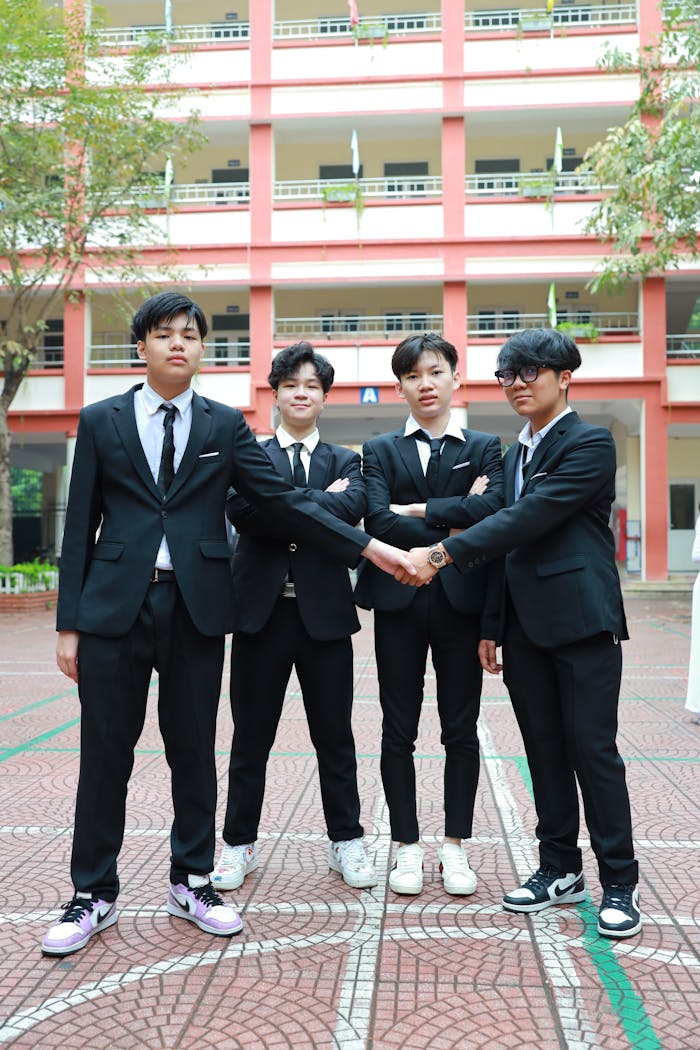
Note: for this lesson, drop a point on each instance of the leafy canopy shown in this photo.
(649, 168)
(82, 141)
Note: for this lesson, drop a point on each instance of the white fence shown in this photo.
(18, 583)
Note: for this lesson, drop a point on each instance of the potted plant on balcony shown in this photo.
(344, 193)
(27, 586)
(579, 330)
(538, 184)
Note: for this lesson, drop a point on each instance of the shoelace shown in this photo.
(354, 852)
(207, 895)
(454, 862)
(409, 861)
(233, 856)
(541, 878)
(76, 908)
(619, 897)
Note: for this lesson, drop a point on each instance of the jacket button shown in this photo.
(470, 564)
(164, 514)
(292, 546)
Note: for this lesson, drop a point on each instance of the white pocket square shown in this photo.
(542, 474)
(458, 466)
(207, 455)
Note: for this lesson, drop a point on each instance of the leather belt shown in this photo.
(163, 576)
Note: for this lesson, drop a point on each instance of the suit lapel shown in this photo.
(550, 439)
(453, 452)
(280, 459)
(124, 418)
(199, 432)
(319, 467)
(511, 463)
(406, 448)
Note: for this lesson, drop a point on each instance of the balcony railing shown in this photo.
(193, 193)
(329, 190)
(344, 327)
(373, 27)
(123, 355)
(687, 345)
(499, 324)
(531, 19)
(191, 35)
(527, 184)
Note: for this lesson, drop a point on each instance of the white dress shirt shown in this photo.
(309, 443)
(531, 441)
(149, 422)
(453, 429)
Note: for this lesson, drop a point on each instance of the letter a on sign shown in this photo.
(369, 395)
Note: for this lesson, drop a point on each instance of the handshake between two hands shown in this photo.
(411, 567)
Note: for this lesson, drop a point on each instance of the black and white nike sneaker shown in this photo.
(546, 887)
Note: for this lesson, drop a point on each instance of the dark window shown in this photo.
(487, 320)
(337, 171)
(682, 499)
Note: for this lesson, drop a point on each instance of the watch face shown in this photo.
(436, 558)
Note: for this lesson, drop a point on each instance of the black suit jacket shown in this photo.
(559, 550)
(266, 549)
(394, 474)
(104, 579)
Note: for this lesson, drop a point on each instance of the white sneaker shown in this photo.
(234, 863)
(457, 876)
(406, 876)
(349, 858)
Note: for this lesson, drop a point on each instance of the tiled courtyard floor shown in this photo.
(319, 964)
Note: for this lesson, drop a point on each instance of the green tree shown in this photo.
(81, 142)
(649, 168)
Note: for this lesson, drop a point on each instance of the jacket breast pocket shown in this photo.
(569, 564)
(108, 550)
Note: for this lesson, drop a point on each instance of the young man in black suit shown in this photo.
(425, 481)
(145, 582)
(294, 609)
(557, 610)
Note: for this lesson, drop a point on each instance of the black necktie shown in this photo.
(298, 472)
(524, 463)
(166, 470)
(433, 469)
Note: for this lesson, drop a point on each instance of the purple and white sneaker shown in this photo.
(203, 906)
(82, 917)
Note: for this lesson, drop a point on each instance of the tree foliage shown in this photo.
(83, 143)
(649, 168)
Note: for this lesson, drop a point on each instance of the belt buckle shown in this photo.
(154, 577)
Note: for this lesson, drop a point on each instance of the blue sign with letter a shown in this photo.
(369, 395)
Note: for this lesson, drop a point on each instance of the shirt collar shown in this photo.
(453, 429)
(525, 437)
(285, 439)
(152, 401)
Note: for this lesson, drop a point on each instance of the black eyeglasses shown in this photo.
(528, 374)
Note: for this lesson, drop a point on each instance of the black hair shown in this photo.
(408, 351)
(160, 309)
(287, 363)
(539, 346)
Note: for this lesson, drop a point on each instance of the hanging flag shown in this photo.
(552, 305)
(558, 151)
(168, 176)
(354, 14)
(355, 154)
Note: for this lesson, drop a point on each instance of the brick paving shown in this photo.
(321, 965)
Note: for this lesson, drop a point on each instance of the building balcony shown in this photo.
(528, 184)
(342, 190)
(219, 354)
(351, 327)
(536, 19)
(683, 347)
(187, 35)
(588, 325)
(373, 27)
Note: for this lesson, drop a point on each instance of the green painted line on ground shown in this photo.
(624, 999)
(39, 703)
(10, 752)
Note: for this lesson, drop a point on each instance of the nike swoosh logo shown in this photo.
(566, 889)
